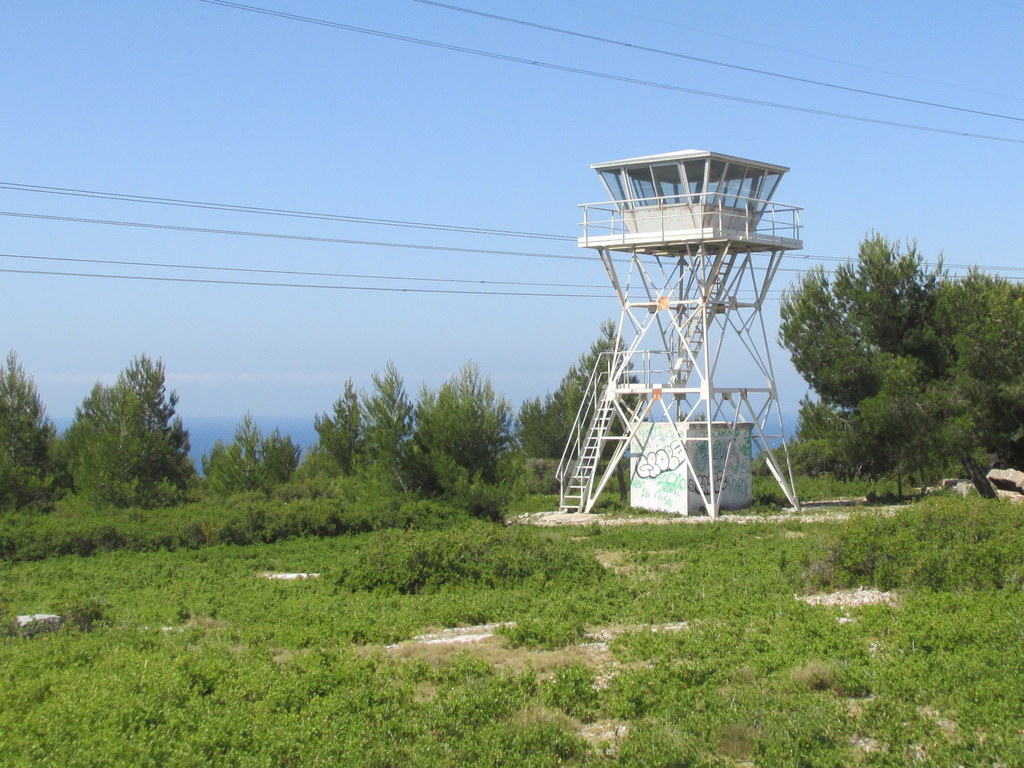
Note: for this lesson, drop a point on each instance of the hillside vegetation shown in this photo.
(708, 658)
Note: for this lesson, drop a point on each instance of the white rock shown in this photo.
(34, 623)
(289, 576)
(1007, 479)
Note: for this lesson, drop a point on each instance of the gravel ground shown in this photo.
(811, 512)
(851, 597)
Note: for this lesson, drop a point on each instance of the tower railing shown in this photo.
(569, 470)
(709, 214)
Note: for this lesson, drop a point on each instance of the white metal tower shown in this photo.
(691, 241)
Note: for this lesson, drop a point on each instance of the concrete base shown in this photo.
(670, 467)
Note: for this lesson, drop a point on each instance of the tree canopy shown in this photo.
(28, 471)
(913, 369)
(543, 424)
(341, 432)
(252, 462)
(126, 446)
(386, 423)
(462, 430)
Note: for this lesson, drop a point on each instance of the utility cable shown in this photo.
(254, 270)
(793, 51)
(926, 264)
(122, 197)
(606, 75)
(713, 62)
(773, 294)
(1009, 5)
(439, 248)
(207, 281)
(280, 236)
(442, 248)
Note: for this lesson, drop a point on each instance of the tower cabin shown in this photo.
(662, 202)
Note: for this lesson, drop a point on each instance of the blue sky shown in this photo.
(196, 101)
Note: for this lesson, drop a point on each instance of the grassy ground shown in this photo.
(638, 646)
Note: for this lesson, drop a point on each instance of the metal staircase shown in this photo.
(577, 484)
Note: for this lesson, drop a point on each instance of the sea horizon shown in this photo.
(205, 431)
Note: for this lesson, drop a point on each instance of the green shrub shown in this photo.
(547, 631)
(572, 691)
(538, 476)
(84, 614)
(78, 526)
(411, 562)
(943, 544)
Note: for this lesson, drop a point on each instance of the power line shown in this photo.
(254, 270)
(773, 294)
(715, 63)
(926, 264)
(419, 246)
(797, 52)
(1009, 5)
(170, 201)
(606, 75)
(280, 236)
(312, 238)
(262, 284)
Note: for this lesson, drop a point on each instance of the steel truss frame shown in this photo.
(679, 306)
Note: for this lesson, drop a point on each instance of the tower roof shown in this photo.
(686, 154)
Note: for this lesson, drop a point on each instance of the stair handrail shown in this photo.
(581, 425)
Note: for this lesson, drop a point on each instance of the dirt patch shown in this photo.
(493, 651)
(613, 559)
(810, 512)
(441, 646)
(202, 622)
(864, 745)
(848, 598)
(458, 635)
(281, 656)
(608, 633)
(606, 736)
(948, 727)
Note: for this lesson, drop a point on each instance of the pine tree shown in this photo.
(341, 434)
(914, 370)
(126, 447)
(543, 426)
(462, 430)
(28, 471)
(252, 462)
(387, 416)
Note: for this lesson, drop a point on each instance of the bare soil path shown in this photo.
(810, 512)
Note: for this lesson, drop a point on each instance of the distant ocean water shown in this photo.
(204, 431)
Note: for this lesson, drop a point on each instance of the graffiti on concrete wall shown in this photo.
(659, 459)
(671, 470)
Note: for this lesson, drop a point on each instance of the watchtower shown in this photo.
(691, 241)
